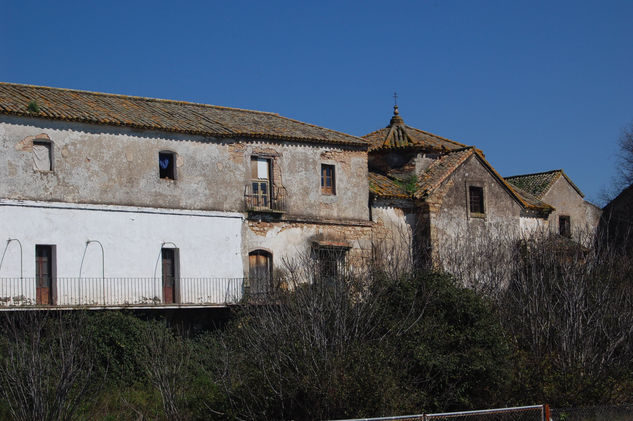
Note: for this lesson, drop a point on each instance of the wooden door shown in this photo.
(44, 275)
(169, 275)
(260, 272)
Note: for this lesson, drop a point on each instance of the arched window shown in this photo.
(260, 271)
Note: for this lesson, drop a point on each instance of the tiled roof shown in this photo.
(159, 114)
(531, 199)
(443, 167)
(398, 135)
(538, 184)
(384, 186)
(440, 169)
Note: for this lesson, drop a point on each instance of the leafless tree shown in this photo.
(46, 368)
(165, 358)
(625, 157)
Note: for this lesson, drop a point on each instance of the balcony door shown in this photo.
(170, 275)
(260, 182)
(44, 274)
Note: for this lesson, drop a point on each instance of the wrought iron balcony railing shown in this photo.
(261, 197)
(118, 292)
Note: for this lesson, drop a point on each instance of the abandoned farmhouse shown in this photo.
(113, 200)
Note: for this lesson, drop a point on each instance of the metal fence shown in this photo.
(519, 413)
(100, 292)
(594, 413)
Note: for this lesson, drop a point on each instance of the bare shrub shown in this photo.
(165, 358)
(46, 368)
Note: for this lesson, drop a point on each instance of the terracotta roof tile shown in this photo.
(384, 186)
(440, 169)
(398, 135)
(538, 184)
(163, 115)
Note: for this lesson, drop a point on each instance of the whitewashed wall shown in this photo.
(209, 244)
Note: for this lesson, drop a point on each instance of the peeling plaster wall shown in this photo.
(119, 166)
(394, 235)
(449, 208)
(530, 225)
(565, 199)
(292, 241)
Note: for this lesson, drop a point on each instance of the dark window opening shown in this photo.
(169, 257)
(564, 226)
(44, 274)
(260, 273)
(328, 181)
(476, 200)
(167, 165)
(330, 262)
(42, 156)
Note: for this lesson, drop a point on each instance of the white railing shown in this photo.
(104, 292)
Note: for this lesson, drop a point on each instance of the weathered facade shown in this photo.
(448, 196)
(571, 216)
(113, 200)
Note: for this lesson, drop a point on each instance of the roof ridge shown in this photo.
(141, 98)
(360, 139)
(535, 173)
(435, 135)
(375, 131)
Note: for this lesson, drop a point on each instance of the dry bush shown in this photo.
(46, 368)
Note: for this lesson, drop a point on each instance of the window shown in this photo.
(564, 226)
(328, 180)
(330, 261)
(167, 165)
(44, 274)
(260, 182)
(476, 200)
(171, 269)
(42, 156)
(260, 273)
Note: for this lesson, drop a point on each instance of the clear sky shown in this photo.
(537, 85)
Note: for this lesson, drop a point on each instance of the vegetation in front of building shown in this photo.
(557, 329)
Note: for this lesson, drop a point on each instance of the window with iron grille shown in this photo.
(476, 200)
(564, 226)
(328, 179)
(330, 262)
(167, 165)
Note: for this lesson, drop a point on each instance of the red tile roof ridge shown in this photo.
(147, 99)
(534, 173)
(437, 136)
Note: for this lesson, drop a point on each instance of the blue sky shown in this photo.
(537, 85)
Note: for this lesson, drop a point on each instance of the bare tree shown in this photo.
(625, 158)
(46, 368)
(165, 358)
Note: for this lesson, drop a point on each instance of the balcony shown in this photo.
(261, 197)
(120, 293)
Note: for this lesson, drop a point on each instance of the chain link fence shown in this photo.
(521, 413)
(594, 413)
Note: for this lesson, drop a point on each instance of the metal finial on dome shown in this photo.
(396, 119)
(395, 103)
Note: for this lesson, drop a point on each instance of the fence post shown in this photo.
(547, 416)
